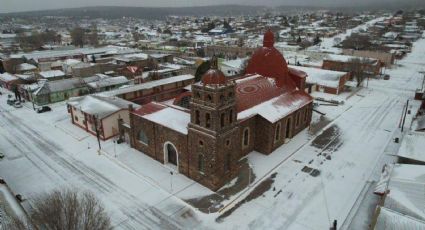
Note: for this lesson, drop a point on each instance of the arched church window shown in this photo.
(245, 139)
(277, 132)
(197, 120)
(201, 163)
(231, 116)
(222, 117)
(222, 98)
(207, 120)
(209, 98)
(227, 163)
(142, 137)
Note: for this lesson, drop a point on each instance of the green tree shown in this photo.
(201, 70)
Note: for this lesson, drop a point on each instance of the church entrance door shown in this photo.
(170, 155)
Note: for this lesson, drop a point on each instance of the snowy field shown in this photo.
(317, 177)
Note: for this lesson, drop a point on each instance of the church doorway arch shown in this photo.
(171, 156)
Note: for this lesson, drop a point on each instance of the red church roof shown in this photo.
(269, 62)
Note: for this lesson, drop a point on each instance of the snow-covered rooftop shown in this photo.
(322, 77)
(406, 188)
(413, 147)
(100, 106)
(171, 118)
(148, 85)
(51, 74)
(391, 220)
(6, 77)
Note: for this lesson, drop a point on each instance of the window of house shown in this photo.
(75, 118)
(143, 138)
(197, 120)
(277, 132)
(222, 117)
(245, 139)
(201, 163)
(207, 120)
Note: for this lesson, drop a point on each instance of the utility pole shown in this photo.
(405, 114)
(97, 131)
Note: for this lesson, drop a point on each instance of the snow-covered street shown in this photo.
(305, 184)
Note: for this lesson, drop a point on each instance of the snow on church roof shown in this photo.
(278, 107)
(171, 118)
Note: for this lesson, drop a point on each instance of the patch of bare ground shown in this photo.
(259, 190)
(212, 203)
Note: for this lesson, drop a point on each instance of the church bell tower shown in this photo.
(213, 129)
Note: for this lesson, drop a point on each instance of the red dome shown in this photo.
(268, 61)
(214, 77)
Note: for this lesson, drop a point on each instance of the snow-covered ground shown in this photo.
(315, 178)
(328, 44)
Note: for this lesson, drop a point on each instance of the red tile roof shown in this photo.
(256, 89)
(149, 108)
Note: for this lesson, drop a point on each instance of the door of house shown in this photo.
(171, 154)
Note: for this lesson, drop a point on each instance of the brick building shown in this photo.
(205, 132)
(344, 63)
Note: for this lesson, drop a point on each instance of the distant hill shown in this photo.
(143, 12)
(152, 13)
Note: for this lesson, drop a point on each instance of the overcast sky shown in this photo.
(29, 5)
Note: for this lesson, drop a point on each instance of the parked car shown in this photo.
(386, 77)
(11, 101)
(44, 109)
(1, 155)
(17, 104)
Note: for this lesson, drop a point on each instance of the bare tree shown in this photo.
(78, 36)
(243, 66)
(357, 69)
(65, 209)
(93, 37)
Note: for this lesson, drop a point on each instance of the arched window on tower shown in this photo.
(245, 138)
(231, 116)
(207, 120)
(222, 117)
(197, 120)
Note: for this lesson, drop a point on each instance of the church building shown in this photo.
(203, 133)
